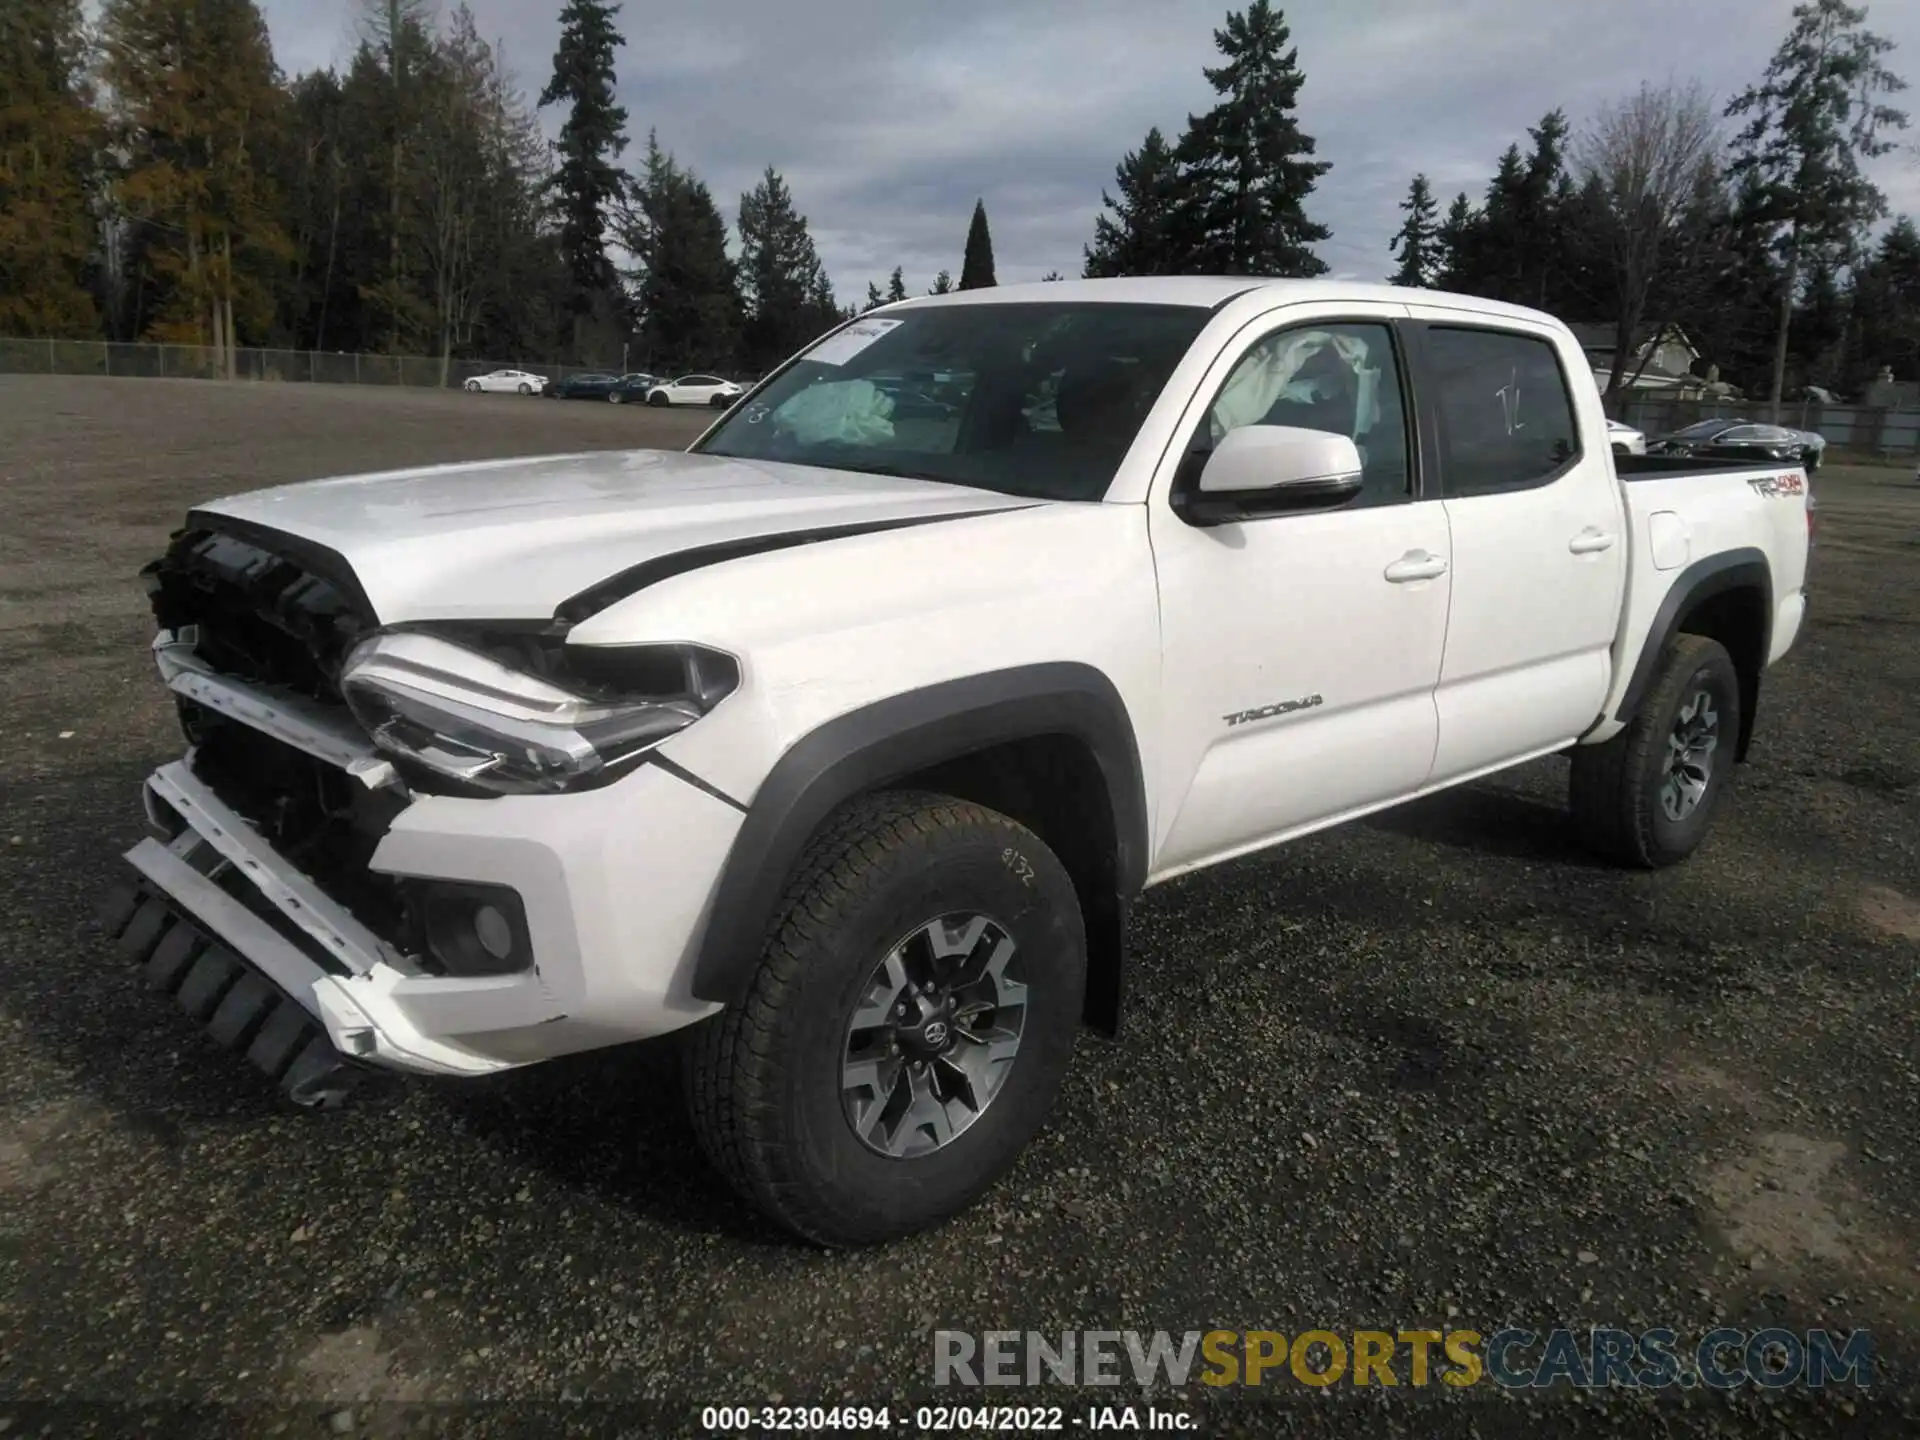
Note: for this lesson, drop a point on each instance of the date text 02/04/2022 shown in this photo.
(938, 1419)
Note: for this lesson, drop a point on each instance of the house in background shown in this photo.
(1662, 363)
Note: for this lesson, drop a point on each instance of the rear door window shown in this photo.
(1504, 410)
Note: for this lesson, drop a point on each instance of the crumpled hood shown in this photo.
(512, 539)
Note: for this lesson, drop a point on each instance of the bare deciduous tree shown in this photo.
(1647, 153)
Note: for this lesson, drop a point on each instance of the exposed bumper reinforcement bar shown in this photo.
(288, 718)
(295, 896)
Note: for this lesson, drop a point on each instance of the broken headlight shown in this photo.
(468, 717)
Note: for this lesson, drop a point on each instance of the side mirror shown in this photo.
(1271, 470)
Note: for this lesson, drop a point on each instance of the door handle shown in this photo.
(1416, 565)
(1590, 541)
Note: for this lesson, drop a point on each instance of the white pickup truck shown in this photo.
(844, 739)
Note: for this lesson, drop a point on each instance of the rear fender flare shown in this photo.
(1742, 569)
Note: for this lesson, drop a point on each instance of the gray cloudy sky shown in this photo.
(888, 119)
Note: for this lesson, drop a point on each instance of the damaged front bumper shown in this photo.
(257, 983)
(317, 954)
(293, 979)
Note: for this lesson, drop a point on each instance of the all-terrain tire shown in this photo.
(1616, 788)
(764, 1077)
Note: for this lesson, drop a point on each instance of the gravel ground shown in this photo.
(1437, 1070)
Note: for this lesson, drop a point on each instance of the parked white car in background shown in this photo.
(696, 390)
(1625, 439)
(507, 382)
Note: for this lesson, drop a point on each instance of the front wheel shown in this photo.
(525, 389)
(908, 1025)
(473, 387)
(657, 398)
(615, 397)
(1646, 796)
(721, 402)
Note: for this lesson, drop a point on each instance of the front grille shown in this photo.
(265, 610)
(261, 615)
(320, 820)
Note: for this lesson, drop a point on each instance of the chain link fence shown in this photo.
(203, 362)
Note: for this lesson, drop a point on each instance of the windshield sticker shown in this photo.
(838, 349)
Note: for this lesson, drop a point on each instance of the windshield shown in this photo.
(1040, 399)
(1703, 429)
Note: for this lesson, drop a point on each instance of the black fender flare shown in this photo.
(888, 740)
(1742, 569)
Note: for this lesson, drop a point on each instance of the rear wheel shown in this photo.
(1646, 796)
(615, 396)
(908, 1026)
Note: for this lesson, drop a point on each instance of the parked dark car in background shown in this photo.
(1736, 439)
(594, 386)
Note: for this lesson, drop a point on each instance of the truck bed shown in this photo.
(1697, 527)
(1674, 467)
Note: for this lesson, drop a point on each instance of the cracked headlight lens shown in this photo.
(471, 718)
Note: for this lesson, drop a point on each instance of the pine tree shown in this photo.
(1137, 239)
(393, 54)
(874, 298)
(49, 138)
(688, 287)
(976, 268)
(1885, 305)
(587, 183)
(1524, 244)
(473, 175)
(1716, 284)
(1817, 113)
(896, 286)
(783, 285)
(197, 103)
(1417, 244)
(822, 311)
(1454, 239)
(1247, 171)
(942, 283)
(1548, 239)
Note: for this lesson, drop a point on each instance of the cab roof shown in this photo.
(1206, 292)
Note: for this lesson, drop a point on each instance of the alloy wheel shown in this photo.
(934, 1036)
(1690, 754)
